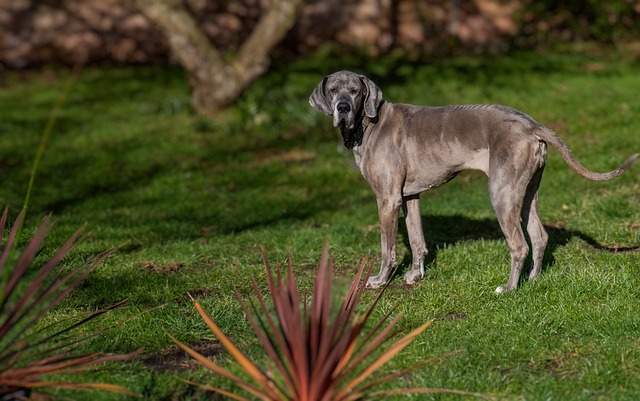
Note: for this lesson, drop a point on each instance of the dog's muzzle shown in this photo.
(343, 113)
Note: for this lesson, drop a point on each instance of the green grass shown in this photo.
(195, 199)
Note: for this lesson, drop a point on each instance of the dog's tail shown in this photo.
(549, 136)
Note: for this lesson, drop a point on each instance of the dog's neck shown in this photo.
(353, 137)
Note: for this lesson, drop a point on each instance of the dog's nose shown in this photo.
(343, 107)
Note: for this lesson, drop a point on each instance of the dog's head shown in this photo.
(346, 96)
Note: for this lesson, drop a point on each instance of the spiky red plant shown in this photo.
(28, 355)
(315, 352)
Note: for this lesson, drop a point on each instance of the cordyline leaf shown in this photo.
(342, 338)
(293, 328)
(363, 392)
(212, 366)
(247, 365)
(323, 333)
(296, 336)
(384, 358)
(320, 304)
(36, 284)
(29, 298)
(396, 374)
(356, 326)
(84, 321)
(60, 364)
(7, 249)
(217, 390)
(365, 317)
(276, 334)
(20, 266)
(353, 296)
(3, 221)
(42, 299)
(75, 386)
(76, 340)
(69, 244)
(272, 337)
(273, 344)
(370, 344)
(27, 356)
(29, 317)
(286, 303)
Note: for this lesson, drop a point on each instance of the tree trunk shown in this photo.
(216, 83)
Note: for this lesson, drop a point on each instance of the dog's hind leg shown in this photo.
(531, 219)
(507, 191)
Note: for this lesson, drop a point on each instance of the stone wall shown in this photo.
(36, 32)
(75, 31)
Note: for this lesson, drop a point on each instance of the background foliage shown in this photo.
(548, 22)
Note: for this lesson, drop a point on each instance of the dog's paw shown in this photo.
(413, 276)
(533, 276)
(375, 282)
(501, 289)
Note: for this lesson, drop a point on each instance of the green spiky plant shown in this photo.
(29, 354)
(315, 352)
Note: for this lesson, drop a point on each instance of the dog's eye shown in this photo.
(353, 91)
(333, 91)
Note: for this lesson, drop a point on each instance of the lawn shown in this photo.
(194, 199)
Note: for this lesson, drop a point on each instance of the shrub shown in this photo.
(27, 354)
(315, 351)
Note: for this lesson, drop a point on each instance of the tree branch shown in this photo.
(252, 59)
(187, 42)
(216, 83)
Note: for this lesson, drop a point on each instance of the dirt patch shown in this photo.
(559, 366)
(161, 268)
(199, 293)
(452, 316)
(556, 225)
(174, 359)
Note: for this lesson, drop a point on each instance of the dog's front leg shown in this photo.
(388, 211)
(413, 220)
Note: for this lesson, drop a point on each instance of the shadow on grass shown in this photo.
(443, 231)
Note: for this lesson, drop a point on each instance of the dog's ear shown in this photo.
(318, 101)
(372, 99)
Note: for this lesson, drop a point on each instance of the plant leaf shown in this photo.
(75, 386)
(382, 359)
(25, 356)
(214, 367)
(247, 365)
(218, 390)
(268, 342)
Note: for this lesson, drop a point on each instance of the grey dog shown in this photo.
(402, 150)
